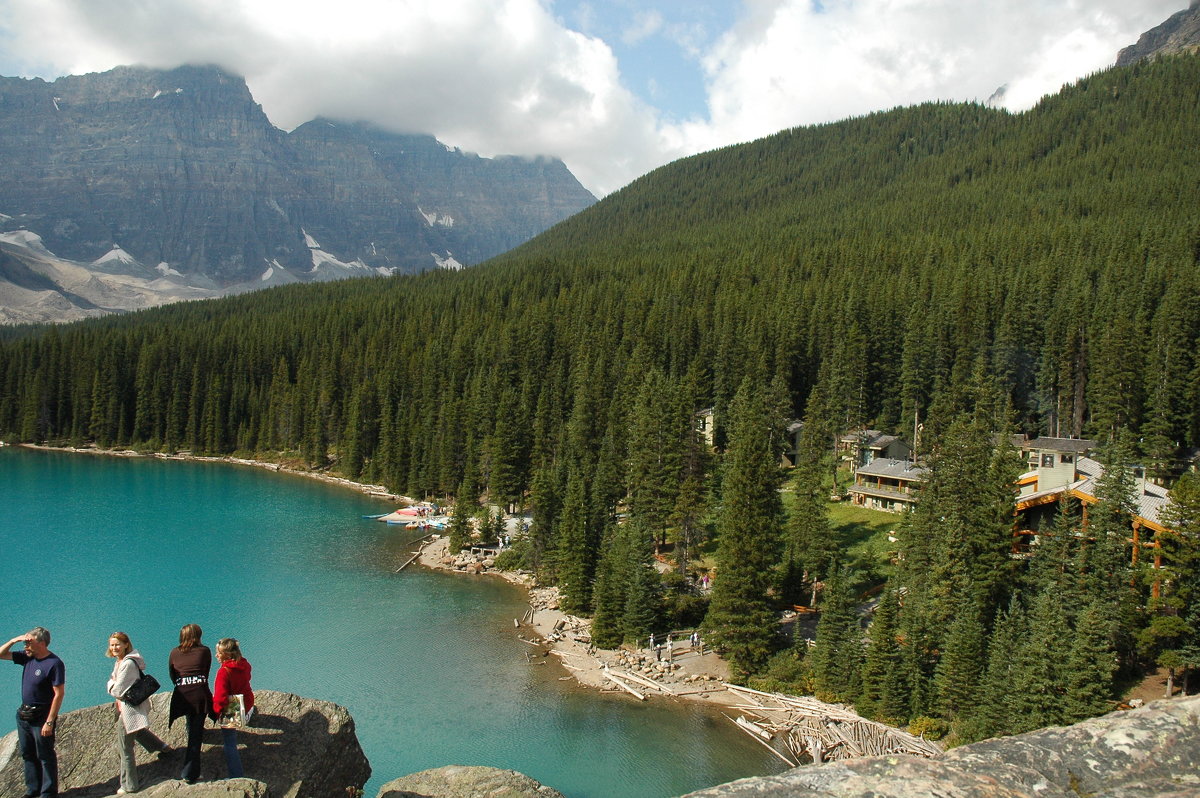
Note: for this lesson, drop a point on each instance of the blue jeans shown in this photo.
(233, 761)
(41, 762)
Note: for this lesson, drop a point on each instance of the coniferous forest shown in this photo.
(981, 272)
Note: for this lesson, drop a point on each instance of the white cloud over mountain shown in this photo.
(523, 76)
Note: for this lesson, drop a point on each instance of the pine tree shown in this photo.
(884, 694)
(838, 655)
(609, 595)
(655, 454)
(643, 599)
(960, 669)
(993, 714)
(810, 547)
(574, 555)
(466, 506)
(739, 620)
(1091, 664)
(1039, 679)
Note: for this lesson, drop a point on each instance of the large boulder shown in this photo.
(1152, 751)
(458, 781)
(295, 748)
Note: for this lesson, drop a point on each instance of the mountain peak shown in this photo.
(1179, 33)
(180, 171)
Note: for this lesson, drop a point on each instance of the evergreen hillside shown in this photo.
(969, 269)
(882, 256)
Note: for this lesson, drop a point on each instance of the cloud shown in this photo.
(645, 24)
(512, 76)
(794, 62)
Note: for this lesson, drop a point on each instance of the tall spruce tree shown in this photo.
(837, 656)
(884, 693)
(609, 593)
(574, 552)
(740, 621)
(960, 669)
(1091, 663)
(1037, 696)
(810, 547)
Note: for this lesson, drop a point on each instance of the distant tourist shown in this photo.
(133, 720)
(189, 665)
(233, 700)
(43, 685)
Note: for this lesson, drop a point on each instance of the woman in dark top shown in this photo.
(189, 666)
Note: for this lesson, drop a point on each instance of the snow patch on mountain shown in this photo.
(435, 218)
(165, 270)
(115, 255)
(309, 241)
(24, 238)
(447, 262)
(322, 258)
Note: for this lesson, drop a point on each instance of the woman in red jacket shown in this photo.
(232, 686)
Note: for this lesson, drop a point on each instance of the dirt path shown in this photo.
(567, 639)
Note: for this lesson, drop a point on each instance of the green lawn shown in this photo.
(864, 535)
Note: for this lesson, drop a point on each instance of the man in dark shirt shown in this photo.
(43, 685)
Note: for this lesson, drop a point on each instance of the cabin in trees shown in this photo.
(704, 422)
(705, 425)
(861, 447)
(1060, 467)
(887, 483)
(791, 443)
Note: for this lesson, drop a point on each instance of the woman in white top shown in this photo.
(133, 720)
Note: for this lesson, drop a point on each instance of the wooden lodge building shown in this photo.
(1057, 467)
(1060, 467)
(886, 483)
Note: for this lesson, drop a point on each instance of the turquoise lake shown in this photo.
(427, 663)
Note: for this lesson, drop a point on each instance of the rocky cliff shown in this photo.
(295, 748)
(178, 174)
(298, 748)
(1152, 751)
(1181, 32)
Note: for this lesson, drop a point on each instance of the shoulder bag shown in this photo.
(143, 688)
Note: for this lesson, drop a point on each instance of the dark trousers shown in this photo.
(233, 760)
(195, 734)
(41, 762)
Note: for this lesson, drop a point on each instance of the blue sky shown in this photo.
(613, 87)
(657, 45)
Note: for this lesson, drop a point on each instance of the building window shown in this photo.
(1047, 461)
(1066, 458)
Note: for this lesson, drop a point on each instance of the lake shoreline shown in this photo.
(542, 628)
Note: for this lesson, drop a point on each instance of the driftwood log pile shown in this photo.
(806, 728)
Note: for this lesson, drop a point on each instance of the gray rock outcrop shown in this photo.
(1152, 751)
(1179, 33)
(295, 748)
(458, 781)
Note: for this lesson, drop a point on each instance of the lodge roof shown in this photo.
(896, 469)
(1066, 445)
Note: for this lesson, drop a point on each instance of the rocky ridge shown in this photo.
(1179, 33)
(300, 747)
(1149, 752)
(296, 747)
(176, 181)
